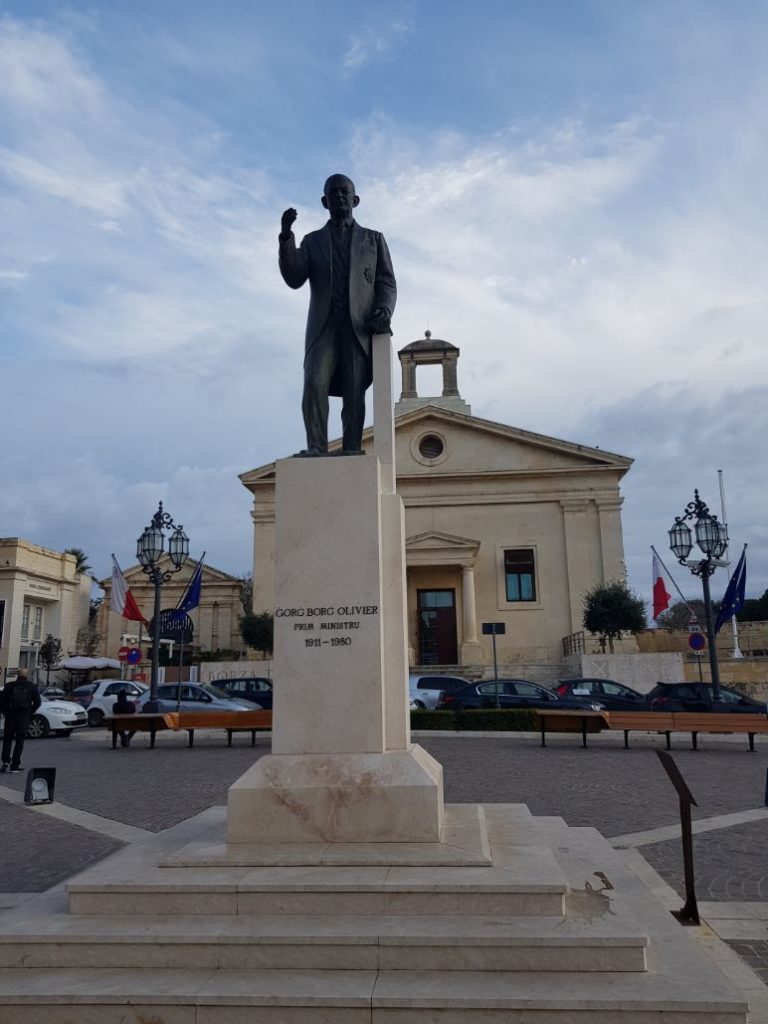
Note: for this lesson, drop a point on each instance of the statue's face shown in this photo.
(339, 197)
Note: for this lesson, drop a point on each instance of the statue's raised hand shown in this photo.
(286, 223)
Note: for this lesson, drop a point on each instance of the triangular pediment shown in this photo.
(473, 445)
(437, 548)
(434, 539)
(134, 574)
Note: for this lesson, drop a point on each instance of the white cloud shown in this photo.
(374, 43)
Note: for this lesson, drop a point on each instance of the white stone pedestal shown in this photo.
(342, 768)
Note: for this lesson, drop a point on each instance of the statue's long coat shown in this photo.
(371, 282)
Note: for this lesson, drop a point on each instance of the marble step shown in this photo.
(531, 883)
(349, 943)
(133, 996)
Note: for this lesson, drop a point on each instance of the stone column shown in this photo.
(611, 541)
(450, 377)
(408, 367)
(576, 556)
(468, 600)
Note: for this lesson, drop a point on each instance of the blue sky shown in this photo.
(574, 193)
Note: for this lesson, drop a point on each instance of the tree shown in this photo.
(678, 615)
(82, 568)
(246, 593)
(49, 654)
(755, 609)
(611, 609)
(257, 631)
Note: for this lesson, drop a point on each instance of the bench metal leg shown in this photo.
(152, 734)
(626, 739)
(694, 741)
(543, 731)
(669, 740)
(751, 741)
(253, 737)
(191, 735)
(584, 733)
(229, 737)
(114, 738)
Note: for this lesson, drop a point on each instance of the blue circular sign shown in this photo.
(133, 657)
(697, 642)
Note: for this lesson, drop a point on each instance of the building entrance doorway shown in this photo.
(437, 627)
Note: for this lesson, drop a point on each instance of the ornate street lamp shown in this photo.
(149, 551)
(712, 538)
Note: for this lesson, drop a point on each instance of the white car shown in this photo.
(98, 697)
(59, 716)
(425, 690)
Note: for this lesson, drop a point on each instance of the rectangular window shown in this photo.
(37, 628)
(520, 574)
(25, 623)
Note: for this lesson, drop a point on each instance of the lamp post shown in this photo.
(149, 550)
(712, 538)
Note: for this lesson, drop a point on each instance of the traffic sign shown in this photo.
(693, 625)
(696, 642)
(122, 654)
(134, 656)
(494, 628)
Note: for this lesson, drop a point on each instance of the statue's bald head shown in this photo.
(336, 180)
(339, 197)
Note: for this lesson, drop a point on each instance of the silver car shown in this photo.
(425, 691)
(196, 697)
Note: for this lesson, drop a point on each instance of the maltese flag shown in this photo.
(123, 602)
(660, 595)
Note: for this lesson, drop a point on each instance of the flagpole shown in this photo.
(673, 582)
(727, 558)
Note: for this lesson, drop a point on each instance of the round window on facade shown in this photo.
(431, 446)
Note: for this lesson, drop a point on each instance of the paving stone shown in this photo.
(38, 852)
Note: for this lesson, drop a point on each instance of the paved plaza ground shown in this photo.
(105, 798)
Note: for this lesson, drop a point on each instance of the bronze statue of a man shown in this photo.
(352, 297)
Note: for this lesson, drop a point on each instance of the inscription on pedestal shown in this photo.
(326, 625)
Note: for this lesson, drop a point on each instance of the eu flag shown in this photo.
(191, 598)
(733, 599)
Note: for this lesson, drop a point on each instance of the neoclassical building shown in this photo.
(502, 525)
(216, 621)
(41, 592)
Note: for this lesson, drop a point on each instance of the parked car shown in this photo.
(512, 693)
(425, 690)
(614, 696)
(196, 697)
(257, 689)
(698, 697)
(53, 693)
(57, 716)
(99, 696)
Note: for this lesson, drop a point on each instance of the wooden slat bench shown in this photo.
(641, 721)
(569, 721)
(232, 721)
(694, 723)
(141, 723)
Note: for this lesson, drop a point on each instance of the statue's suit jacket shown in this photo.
(371, 282)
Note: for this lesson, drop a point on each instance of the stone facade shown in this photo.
(478, 495)
(40, 593)
(216, 621)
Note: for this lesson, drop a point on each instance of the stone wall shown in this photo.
(210, 671)
(640, 671)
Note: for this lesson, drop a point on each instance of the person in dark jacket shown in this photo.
(18, 702)
(123, 706)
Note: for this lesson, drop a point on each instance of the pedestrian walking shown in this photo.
(18, 702)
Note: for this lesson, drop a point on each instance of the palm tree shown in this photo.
(82, 568)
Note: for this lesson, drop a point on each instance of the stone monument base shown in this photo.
(390, 797)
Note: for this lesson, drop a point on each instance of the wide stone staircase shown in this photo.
(510, 919)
